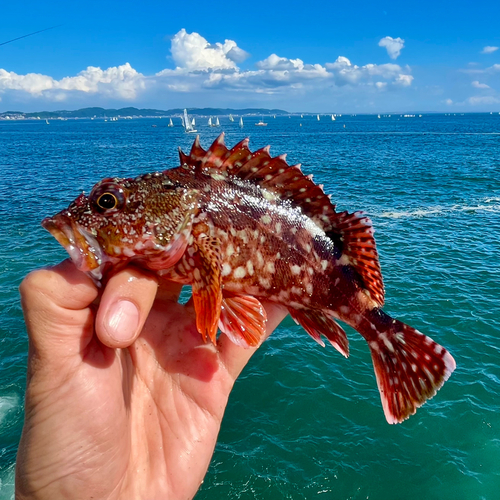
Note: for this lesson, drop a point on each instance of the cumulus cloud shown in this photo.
(200, 65)
(190, 51)
(478, 85)
(121, 81)
(489, 49)
(392, 45)
(346, 73)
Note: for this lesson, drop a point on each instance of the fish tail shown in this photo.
(409, 366)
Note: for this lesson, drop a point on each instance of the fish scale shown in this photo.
(241, 227)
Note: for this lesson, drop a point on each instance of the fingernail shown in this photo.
(122, 320)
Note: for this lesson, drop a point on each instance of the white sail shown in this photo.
(188, 128)
(170, 123)
(217, 124)
(231, 119)
(210, 122)
(241, 122)
(317, 116)
(333, 118)
(193, 123)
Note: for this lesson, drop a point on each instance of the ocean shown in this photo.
(302, 421)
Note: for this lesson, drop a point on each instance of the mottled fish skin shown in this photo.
(241, 227)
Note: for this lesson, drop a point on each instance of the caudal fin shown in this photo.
(410, 367)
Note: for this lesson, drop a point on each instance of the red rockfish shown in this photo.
(241, 226)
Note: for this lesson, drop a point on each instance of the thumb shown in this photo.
(124, 307)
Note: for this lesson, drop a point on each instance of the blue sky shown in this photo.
(328, 56)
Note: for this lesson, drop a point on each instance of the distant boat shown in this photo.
(188, 128)
(217, 124)
(193, 123)
(241, 122)
(210, 122)
(261, 123)
(333, 118)
(378, 116)
(231, 119)
(317, 116)
(170, 123)
(302, 116)
(47, 121)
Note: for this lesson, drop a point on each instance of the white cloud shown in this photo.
(449, 102)
(200, 65)
(392, 45)
(478, 100)
(346, 73)
(478, 85)
(489, 49)
(190, 51)
(121, 81)
(404, 80)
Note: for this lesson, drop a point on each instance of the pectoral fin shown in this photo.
(203, 261)
(243, 320)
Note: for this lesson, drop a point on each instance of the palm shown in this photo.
(139, 422)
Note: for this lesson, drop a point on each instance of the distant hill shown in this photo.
(109, 113)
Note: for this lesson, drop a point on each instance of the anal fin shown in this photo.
(243, 320)
(316, 323)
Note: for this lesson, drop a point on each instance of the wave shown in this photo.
(486, 205)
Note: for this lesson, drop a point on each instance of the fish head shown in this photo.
(146, 220)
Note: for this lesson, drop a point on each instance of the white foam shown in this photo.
(8, 403)
(486, 205)
(7, 477)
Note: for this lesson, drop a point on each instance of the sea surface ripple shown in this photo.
(302, 421)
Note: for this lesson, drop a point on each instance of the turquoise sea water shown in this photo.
(303, 422)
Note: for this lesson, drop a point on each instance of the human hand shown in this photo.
(120, 403)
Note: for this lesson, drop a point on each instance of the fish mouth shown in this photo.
(83, 249)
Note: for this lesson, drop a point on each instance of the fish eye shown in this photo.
(107, 198)
(107, 201)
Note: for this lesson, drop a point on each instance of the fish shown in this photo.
(241, 227)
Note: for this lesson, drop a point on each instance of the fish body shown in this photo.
(241, 227)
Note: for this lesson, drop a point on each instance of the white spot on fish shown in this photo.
(266, 219)
(250, 267)
(239, 272)
(270, 267)
(295, 269)
(226, 269)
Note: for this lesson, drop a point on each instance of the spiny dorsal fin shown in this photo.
(289, 183)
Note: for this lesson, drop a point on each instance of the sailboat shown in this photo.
(170, 123)
(333, 118)
(210, 121)
(217, 124)
(261, 123)
(231, 119)
(317, 116)
(193, 123)
(241, 122)
(188, 128)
